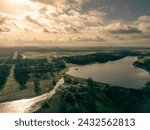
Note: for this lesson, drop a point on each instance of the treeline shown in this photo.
(144, 65)
(36, 69)
(91, 58)
(4, 73)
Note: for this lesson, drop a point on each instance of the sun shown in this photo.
(14, 7)
(19, 2)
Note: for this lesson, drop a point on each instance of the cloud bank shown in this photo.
(68, 21)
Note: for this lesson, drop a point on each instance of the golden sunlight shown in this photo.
(18, 2)
(15, 7)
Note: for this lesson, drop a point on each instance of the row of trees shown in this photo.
(36, 69)
(25, 68)
(4, 73)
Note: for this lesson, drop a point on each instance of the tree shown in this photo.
(4, 73)
(37, 88)
(90, 81)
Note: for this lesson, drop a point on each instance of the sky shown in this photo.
(75, 22)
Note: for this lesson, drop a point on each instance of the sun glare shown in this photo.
(19, 2)
(14, 7)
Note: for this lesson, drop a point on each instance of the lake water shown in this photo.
(120, 73)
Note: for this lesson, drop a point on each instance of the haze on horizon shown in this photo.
(74, 22)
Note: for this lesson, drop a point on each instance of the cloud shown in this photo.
(71, 21)
(66, 16)
(2, 19)
(94, 17)
(63, 5)
(44, 1)
(144, 18)
(34, 21)
(4, 26)
(4, 29)
(71, 29)
(144, 23)
(94, 39)
(60, 5)
(68, 20)
(128, 30)
(46, 30)
(122, 28)
(100, 39)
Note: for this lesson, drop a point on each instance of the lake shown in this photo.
(120, 73)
